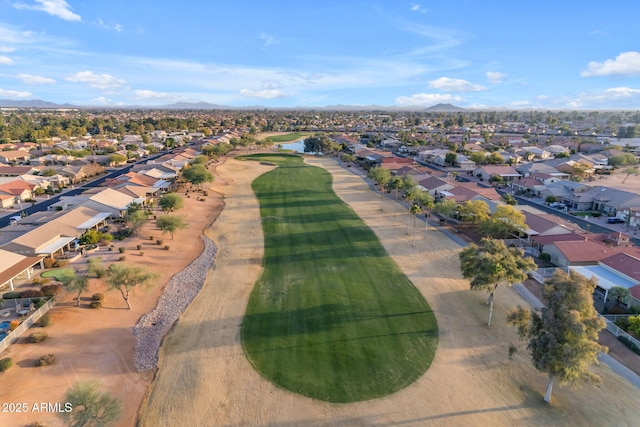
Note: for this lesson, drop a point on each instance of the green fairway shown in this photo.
(332, 316)
(287, 137)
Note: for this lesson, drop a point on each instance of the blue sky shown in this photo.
(281, 53)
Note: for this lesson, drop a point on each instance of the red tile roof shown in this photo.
(591, 251)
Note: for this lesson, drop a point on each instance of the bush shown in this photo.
(51, 290)
(159, 242)
(37, 337)
(167, 247)
(5, 364)
(95, 304)
(30, 293)
(49, 262)
(40, 281)
(40, 302)
(47, 359)
(97, 297)
(11, 295)
(121, 249)
(62, 263)
(545, 257)
(122, 257)
(139, 247)
(141, 253)
(632, 346)
(45, 320)
(151, 238)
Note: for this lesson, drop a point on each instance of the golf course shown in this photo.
(332, 316)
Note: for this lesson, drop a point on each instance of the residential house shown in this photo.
(587, 252)
(434, 186)
(611, 200)
(506, 173)
(575, 195)
(464, 163)
(14, 156)
(15, 266)
(17, 188)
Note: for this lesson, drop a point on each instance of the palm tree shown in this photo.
(414, 210)
(395, 184)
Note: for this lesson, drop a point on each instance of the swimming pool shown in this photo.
(4, 326)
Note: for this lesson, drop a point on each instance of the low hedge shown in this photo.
(47, 359)
(11, 295)
(37, 337)
(632, 346)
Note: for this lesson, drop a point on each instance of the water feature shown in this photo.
(297, 146)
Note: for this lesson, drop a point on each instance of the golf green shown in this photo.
(332, 316)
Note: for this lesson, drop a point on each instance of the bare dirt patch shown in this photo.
(99, 344)
(205, 379)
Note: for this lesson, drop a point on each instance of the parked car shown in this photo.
(615, 220)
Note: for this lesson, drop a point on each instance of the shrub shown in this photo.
(45, 320)
(5, 364)
(49, 262)
(38, 424)
(30, 293)
(40, 302)
(545, 257)
(121, 249)
(62, 263)
(37, 337)
(47, 359)
(167, 247)
(634, 325)
(97, 297)
(632, 346)
(122, 257)
(151, 238)
(51, 290)
(95, 304)
(159, 242)
(11, 295)
(141, 253)
(41, 281)
(138, 247)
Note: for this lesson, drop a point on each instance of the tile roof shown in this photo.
(591, 251)
(626, 264)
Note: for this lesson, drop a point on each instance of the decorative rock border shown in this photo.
(181, 290)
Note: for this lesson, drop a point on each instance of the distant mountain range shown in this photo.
(37, 103)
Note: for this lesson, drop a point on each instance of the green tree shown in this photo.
(490, 264)
(551, 199)
(72, 282)
(170, 224)
(197, 175)
(426, 202)
(563, 337)
(619, 294)
(474, 211)
(135, 220)
(395, 184)
(116, 158)
(381, 176)
(89, 406)
(96, 267)
(505, 222)
(632, 170)
(414, 210)
(126, 279)
(623, 159)
(450, 158)
(509, 199)
(445, 208)
(170, 202)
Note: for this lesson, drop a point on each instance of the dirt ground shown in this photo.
(98, 344)
(205, 379)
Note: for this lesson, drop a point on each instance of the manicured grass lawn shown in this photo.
(57, 273)
(288, 137)
(332, 316)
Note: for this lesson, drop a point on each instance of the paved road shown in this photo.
(42, 205)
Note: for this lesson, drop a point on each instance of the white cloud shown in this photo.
(617, 97)
(455, 85)
(418, 8)
(101, 100)
(150, 94)
(519, 104)
(427, 99)
(495, 77)
(96, 81)
(268, 39)
(625, 64)
(111, 26)
(35, 80)
(14, 94)
(59, 8)
(263, 93)
(6, 49)
(5, 60)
